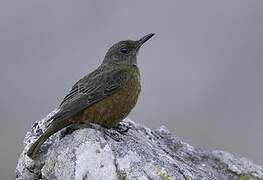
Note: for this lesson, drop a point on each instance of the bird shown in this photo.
(105, 96)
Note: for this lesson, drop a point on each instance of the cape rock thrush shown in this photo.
(105, 96)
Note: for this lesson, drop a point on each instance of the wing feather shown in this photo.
(90, 90)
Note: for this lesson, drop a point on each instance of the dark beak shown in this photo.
(144, 39)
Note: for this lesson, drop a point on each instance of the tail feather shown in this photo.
(52, 129)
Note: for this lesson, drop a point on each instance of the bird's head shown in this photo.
(125, 52)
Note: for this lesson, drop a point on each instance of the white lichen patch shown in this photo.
(61, 166)
(126, 161)
(93, 165)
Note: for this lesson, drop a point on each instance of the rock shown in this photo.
(128, 151)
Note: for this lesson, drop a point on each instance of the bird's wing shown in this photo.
(90, 90)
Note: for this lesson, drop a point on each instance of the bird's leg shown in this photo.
(121, 127)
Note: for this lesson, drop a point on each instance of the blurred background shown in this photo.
(201, 72)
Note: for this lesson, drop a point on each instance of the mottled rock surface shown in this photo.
(128, 151)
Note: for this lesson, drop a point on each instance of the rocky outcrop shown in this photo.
(128, 151)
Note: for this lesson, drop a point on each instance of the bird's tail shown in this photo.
(52, 129)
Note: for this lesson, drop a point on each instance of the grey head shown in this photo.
(125, 52)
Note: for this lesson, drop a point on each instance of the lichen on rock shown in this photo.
(127, 151)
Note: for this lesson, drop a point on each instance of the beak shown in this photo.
(144, 39)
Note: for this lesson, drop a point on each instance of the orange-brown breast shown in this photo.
(115, 108)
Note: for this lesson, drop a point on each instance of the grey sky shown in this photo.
(202, 72)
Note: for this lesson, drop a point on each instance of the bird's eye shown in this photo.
(124, 50)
